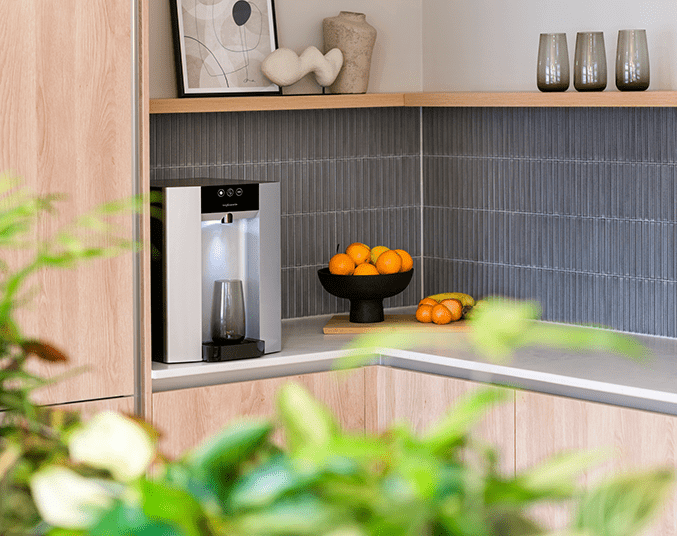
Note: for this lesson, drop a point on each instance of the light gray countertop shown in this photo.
(601, 377)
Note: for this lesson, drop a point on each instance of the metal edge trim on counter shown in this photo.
(541, 382)
(264, 367)
(478, 371)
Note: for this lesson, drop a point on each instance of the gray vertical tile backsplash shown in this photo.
(573, 208)
(346, 176)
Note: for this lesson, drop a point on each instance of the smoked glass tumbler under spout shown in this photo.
(553, 62)
(228, 315)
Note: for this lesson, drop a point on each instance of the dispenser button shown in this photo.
(221, 192)
(230, 192)
(238, 192)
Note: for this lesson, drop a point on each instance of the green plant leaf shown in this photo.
(458, 423)
(556, 476)
(306, 421)
(129, 520)
(43, 350)
(625, 504)
(452, 480)
(416, 478)
(345, 455)
(584, 339)
(512, 523)
(207, 493)
(8, 457)
(65, 532)
(174, 506)
(299, 515)
(230, 447)
(21, 375)
(266, 483)
(357, 494)
(213, 464)
(499, 327)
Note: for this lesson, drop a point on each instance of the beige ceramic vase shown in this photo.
(355, 38)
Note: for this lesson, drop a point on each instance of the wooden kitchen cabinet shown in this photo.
(66, 123)
(365, 399)
(526, 429)
(422, 399)
(635, 440)
(186, 417)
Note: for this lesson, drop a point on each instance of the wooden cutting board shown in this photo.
(340, 325)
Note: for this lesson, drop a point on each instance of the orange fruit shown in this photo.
(376, 251)
(428, 301)
(388, 262)
(341, 264)
(424, 313)
(407, 261)
(365, 269)
(358, 252)
(455, 308)
(440, 314)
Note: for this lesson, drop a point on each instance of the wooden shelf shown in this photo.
(453, 99)
(277, 102)
(544, 100)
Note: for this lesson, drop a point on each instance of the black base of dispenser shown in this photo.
(246, 349)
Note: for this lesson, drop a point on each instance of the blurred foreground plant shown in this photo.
(329, 482)
(61, 476)
(32, 436)
(334, 483)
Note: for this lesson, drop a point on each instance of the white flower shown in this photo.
(66, 499)
(113, 442)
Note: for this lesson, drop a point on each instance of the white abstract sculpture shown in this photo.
(284, 67)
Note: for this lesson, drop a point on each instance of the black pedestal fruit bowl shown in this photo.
(365, 292)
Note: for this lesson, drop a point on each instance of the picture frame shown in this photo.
(219, 46)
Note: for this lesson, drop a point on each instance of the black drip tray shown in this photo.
(246, 349)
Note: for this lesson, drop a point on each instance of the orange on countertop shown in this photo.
(455, 308)
(341, 264)
(440, 314)
(388, 262)
(424, 313)
(428, 301)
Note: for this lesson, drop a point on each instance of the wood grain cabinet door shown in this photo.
(422, 399)
(66, 126)
(635, 440)
(187, 417)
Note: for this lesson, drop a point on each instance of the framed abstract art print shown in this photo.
(219, 46)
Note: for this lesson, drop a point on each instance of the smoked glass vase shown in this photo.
(632, 61)
(552, 73)
(590, 62)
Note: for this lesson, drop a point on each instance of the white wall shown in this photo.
(485, 45)
(396, 63)
(459, 45)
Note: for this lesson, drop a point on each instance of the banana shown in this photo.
(465, 299)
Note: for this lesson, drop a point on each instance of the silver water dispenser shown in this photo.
(214, 236)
